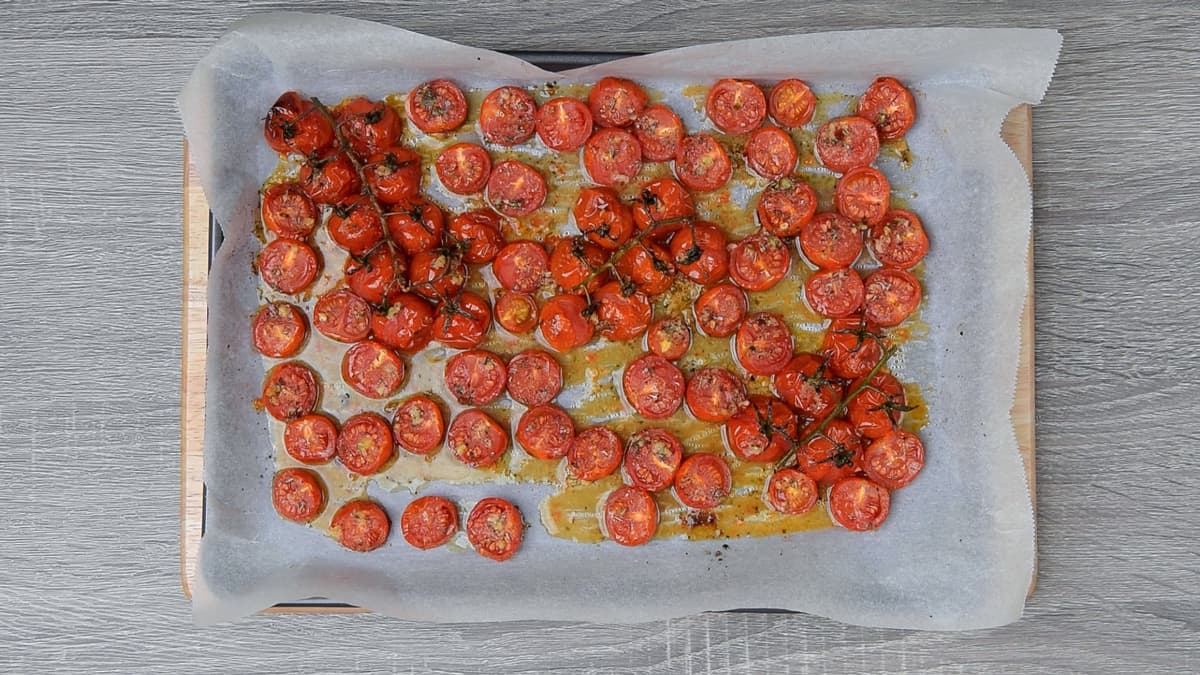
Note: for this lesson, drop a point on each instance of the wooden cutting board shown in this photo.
(1017, 132)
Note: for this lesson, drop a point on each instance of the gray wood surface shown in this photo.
(89, 355)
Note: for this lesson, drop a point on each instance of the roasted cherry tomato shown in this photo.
(702, 163)
(279, 330)
(770, 152)
(407, 324)
(596, 453)
(653, 386)
(616, 102)
(630, 516)
(435, 275)
(853, 345)
(831, 455)
(858, 504)
(790, 491)
(831, 241)
(394, 175)
(288, 211)
(621, 316)
(295, 125)
(669, 338)
(703, 481)
(343, 316)
(786, 207)
(463, 321)
(664, 205)
(515, 188)
(297, 494)
(418, 425)
(660, 131)
(844, 143)
(735, 106)
(763, 431)
(311, 439)
(862, 195)
(355, 225)
(648, 266)
(290, 390)
(834, 293)
(506, 116)
(521, 265)
(495, 528)
(720, 309)
(602, 217)
(891, 296)
(899, 239)
(763, 344)
(516, 312)
(715, 394)
(878, 409)
(436, 106)
(476, 439)
(479, 232)
(612, 157)
(429, 522)
(361, 525)
(806, 384)
(329, 177)
(364, 445)
(699, 253)
(564, 323)
(889, 106)
(759, 262)
(652, 457)
(372, 369)
(288, 266)
(379, 277)
(894, 460)
(368, 126)
(574, 261)
(791, 103)
(564, 123)
(416, 226)
(476, 377)
(546, 432)
(463, 168)
(534, 378)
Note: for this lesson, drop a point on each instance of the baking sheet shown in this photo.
(957, 550)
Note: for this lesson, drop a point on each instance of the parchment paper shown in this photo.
(957, 551)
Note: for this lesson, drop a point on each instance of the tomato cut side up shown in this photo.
(372, 369)
(889, 105)
(669, 338)
(297, 494)
(720, 310)
(476, 377)
(290, 390)
(653, 386)
(786, 207)
(652, 457)
(516, 312)
(759, 262)
(791, 103)
(288, 266)
(436, 106)
(859, 504)
(534, 378)
(311, 439)
(564, 324)
(429, 522)
(515, 188)
(343, 316)
(844, 143)
(564, 123)
(831, 241)
(834, 293)
(546, 432)
(288, 212)
(790, 491)
(770, 152)
(899, 239)
(616, 102)
(630, 516)
(894, 460)
(612, 157)
(715, 394)
(463, 168)
(703, 481)
(660, 131)
(279, 330)
(735, 106)
(763, 344)
(476, 439)
(507, 116)
(495, 528)
(891, 295)
(863, 195)
(361, 525)
(365, 445)
(702, 163)
(418, 425)
(596, 453)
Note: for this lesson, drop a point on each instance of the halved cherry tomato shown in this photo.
(288, 266)
(653, 386)
(361, 525)
(763, 344)
(790, 491)
(786, 207)
(372, 369)
(891, 296)
(564, 123)
(862, 195)
(463, 168)
(416, 226)
(660, 131)
(888, 105)
(564, 323)
(652, 457)
(329, 177)
(648, 266)
(279, 330)
(368, 126)
(670, 338)
(520, 266)
(295, 125)
(791, 103)
(715, 394)
(479, 232)
(621, 316)
(516, 312)
(418, 425)
(573, 260)
(702, 163)
(476, 377)
(311, 439)
(844, 143)
(596, 453)
(612, 157)
(462, 321)
(703, 481)
(834, 293)
(899, 239)
(699, 253)
(364, 445)
(429, 522)
(288, 212)
(770, 152)
(616, 102)
(476, 439)
(735, 106)
(436, 106)
(759, 262)
(832, 455)
(894, 460)
(394, 175)
(546, 432)
(534, 378)
(878, 409)
(763, 431)
(495, 528)
(720, 309)
(407, 324)
(630, 516)
(602, 217)
(378, 278)
(297, 494)
(343, 316)
(663, 204)
(290, 390)
(852, 345)
(831, 241)
(355, 225)
(806, 384)
(434, 275)
(859, 504)
(515, 188)
(506, 116)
